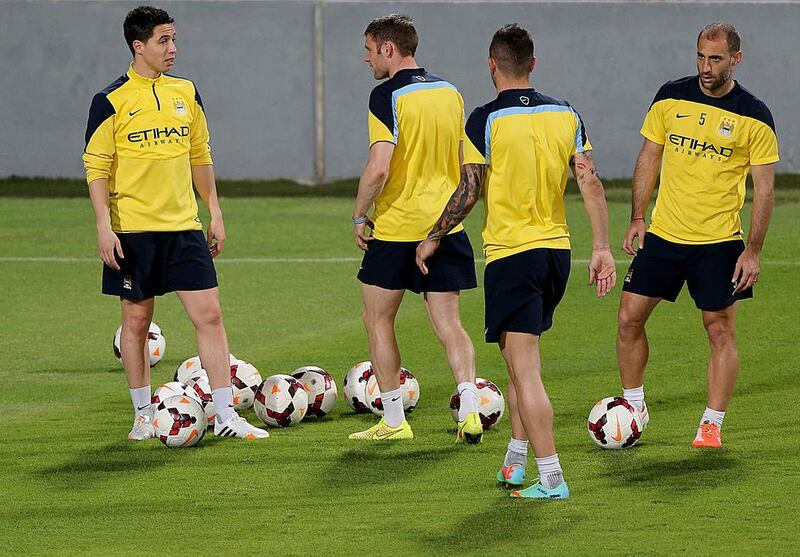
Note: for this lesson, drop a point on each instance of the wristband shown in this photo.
(360, 220)
(637, 218)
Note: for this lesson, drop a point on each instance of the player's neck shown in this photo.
(505, 84)
(407, 63)
(720, 91)
(142, 69)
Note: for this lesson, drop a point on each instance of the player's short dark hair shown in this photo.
(512, 50)
(140, 22)
(395, 28)
(714, 30)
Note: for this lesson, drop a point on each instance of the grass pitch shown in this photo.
(72, 483)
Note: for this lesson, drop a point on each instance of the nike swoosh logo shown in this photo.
(372, 389)
(618, 436)
(142, 407)
(387, 435)
(395, 399)
(682, 115)
(134, 112)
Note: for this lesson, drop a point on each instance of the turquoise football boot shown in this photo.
(512, 475)
(538, 491)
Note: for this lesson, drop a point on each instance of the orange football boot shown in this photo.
(708, 436)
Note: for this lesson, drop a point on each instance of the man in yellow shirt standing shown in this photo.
(146, 142)
(416, 124)
(705, 132)
(519, 149)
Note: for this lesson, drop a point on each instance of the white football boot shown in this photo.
(237, 426)
(142, 429)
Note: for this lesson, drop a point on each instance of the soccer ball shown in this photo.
(491, 403)
(173, 388)
(281, 401)
(355, 386)
(614, 424)
(245, 380)
(320, 387)
(200, 388)
(179, 421)
(156, 344)
(192, 367)
(409, 387)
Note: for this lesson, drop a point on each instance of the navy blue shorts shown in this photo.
(159, 262)
(661, 267)
(523, 290)
(393, 266)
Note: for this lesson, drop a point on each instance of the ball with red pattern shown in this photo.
(201, 388)
(320, 387)
(355, 386)
(191, 367)
(491, 403)
(245, 379)
(156, 344)
(281, 401)
(614, 423)
(179, 421)
(409, 388)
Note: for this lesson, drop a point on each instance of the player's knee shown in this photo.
(630, 323)
(136, 326)
(720, 332)
(209, 317)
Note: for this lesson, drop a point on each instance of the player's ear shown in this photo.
(737, 57)
(138, 46)
(533, 63)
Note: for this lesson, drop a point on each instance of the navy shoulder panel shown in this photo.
(476, 126)
(101, 108)
(380, 104)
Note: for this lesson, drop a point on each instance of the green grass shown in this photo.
(72, 484)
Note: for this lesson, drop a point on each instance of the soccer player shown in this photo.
(146, 142)
(416, 123)
(705, 132)
(521, 146)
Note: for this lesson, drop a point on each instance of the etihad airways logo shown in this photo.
(156, 134)
(699, 147)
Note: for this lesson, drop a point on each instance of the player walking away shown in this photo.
(520, 146)
(146, 142)
(705, 131)
(416, 123)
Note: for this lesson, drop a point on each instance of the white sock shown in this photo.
(141, 400)
(468, 394)
(223, 403)
(635, 396)
(550, 474)
(393, 407)
(711, 416)
(517, 453)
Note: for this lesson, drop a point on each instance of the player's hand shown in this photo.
(425, 249)
(107, 244)
(215, 236)
(602, 271)
(748, 268)
(636, 229)
(362, 236)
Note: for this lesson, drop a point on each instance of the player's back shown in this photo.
(527, 140)
(423, 116)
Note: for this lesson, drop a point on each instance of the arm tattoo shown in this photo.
(583, 170)
(462, 200)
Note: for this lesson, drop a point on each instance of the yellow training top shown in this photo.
(423, 115)
(527, 140)
(144, 135)
(709, 145)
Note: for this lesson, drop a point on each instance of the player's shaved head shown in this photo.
(140, 22)
(395, 28)
(717, 31)
(512, 50)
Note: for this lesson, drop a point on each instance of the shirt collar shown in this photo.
(135, 77)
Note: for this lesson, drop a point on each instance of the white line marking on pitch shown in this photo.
(303, 260)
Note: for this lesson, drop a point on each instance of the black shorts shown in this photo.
(159, 262)
(522, 291)
(393, 266)
(661, 267)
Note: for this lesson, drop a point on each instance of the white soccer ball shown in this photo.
(281, 401)
(156, 344)
(179, 421)
(245, 379)
(409, 387)
(614, 423)
(192, 366)
(320, 387)
(201, 389)
(173, 388)
(355, 386)
(491, 403)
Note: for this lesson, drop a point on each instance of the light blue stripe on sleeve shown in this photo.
(410, 89)
(519, 110)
